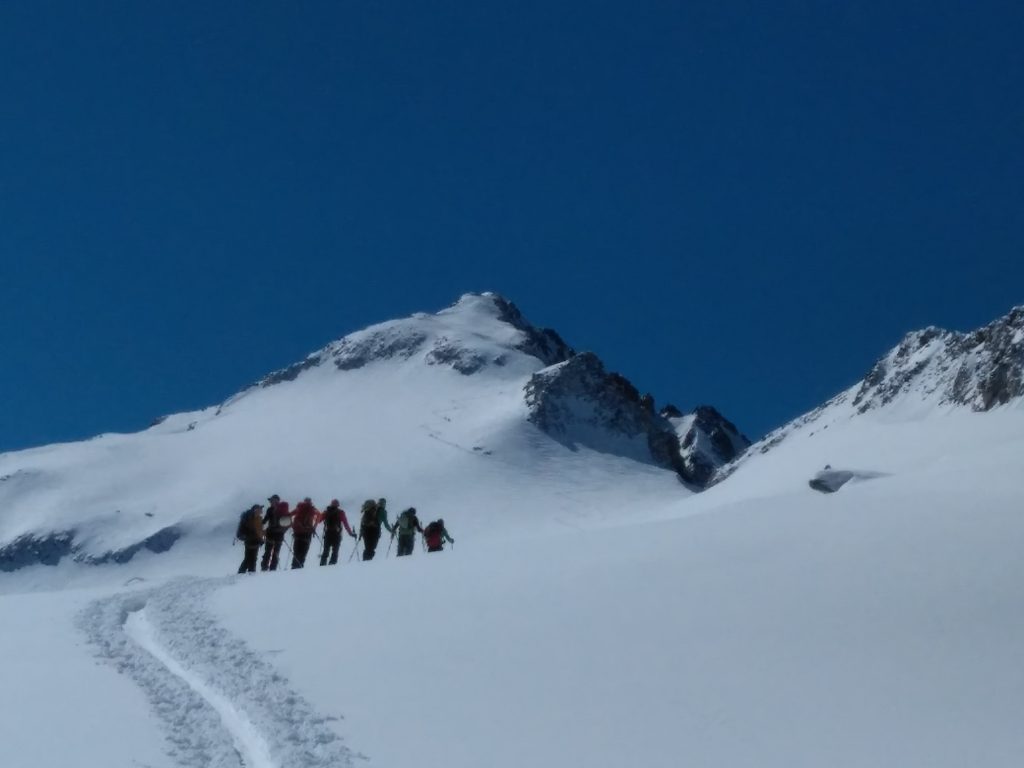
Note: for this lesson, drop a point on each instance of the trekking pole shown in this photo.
(285, 542)
(355, 548)
(389, 547)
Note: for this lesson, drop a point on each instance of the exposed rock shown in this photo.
(32, 549)
(669, 411)
(51, 548)
(979, 370)
(291, 372)
(387, 343)
(707, 440)
(931, 367)
(579, 403)
(465, 361)
(543, 343)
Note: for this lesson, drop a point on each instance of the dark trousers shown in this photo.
(332, 542)
(406, 544)
(300, 548)
(370, 538)
(252, 551)
(271, 553)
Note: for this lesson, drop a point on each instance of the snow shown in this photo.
(593, 612)
(248, 740)
(420, 431)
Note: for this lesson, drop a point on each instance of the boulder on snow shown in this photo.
(831, 480)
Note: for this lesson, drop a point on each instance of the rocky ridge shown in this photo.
(980, 369)
(933, 367)
(570, 395)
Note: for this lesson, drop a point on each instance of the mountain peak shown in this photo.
(979, 369)
(477, 332)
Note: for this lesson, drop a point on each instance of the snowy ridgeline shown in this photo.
(596, 611)
(471, 411)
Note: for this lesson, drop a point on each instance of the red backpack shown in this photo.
(304, 519)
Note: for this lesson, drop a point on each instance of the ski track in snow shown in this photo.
(221, 704)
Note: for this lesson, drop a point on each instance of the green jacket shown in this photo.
(382, 515)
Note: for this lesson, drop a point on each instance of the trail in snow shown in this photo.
(221, 705)
(248, 741)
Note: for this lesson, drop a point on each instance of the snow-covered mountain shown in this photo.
(596, 611)
(440, 411)
(931, 372)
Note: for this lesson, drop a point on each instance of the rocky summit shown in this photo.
(980, 369)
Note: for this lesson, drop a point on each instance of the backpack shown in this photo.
(432, 530)
(304, 520)
(370, 518)
(279, 518)
(249, 525)
(332, 519)
(406, 523)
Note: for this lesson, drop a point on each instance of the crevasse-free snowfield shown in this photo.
(597, 611)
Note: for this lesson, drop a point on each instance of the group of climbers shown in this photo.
(266, 526)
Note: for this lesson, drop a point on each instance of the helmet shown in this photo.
(275, 497)
(334, 503)
(440, 521)
(411, 510)
(307, 500)
(381, 502)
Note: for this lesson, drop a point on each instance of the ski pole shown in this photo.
(355, 548)
(285, 542)
(386, 556)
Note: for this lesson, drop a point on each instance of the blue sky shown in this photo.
(731, 202)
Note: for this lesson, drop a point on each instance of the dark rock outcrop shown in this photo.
(707, 441)
(51, 548)
(543, 343)
(578, 402)
(980, 370)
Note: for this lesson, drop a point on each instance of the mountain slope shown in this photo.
(930, 373)
(431, 411)
(595, 612)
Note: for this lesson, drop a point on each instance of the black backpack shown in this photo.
(332, 519)
(370, 518)
(243, 525)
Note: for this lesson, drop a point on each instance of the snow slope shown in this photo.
(607, 618)
(757, 624)
(428, 411)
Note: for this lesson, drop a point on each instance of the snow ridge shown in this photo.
(462, 336)
(221, 704)
(980, 369)
(929, 370)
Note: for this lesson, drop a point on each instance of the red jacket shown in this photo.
(305, 519)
